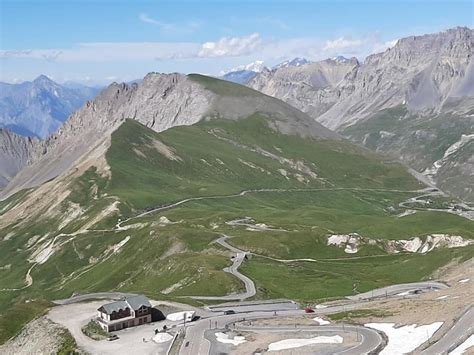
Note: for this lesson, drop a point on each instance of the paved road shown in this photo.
(466, 212)
(249, 306)
(462, 329)
(370, 339)
(245, 222)
(394, 290)
(93, 296)
(250, 290)
(199, 345)
(215, 319)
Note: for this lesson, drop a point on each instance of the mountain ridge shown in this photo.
(161, 101)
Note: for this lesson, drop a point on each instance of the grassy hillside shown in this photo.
(310, 189)
(420, 141)
(222, 157)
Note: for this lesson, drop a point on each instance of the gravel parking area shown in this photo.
(136, 340)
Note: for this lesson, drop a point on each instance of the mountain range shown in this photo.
(133, 191)
(414, 102)
(244, 73)
(38, 108)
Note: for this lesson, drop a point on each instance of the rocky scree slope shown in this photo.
(161, 101)
(307, 86)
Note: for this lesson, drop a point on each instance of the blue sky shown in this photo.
(100, 41)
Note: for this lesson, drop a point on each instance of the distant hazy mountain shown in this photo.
(38, 108)
(244, 73)
(415, 101)
(296, 62)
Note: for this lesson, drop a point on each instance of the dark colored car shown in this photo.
(309, 310)
(228, 312)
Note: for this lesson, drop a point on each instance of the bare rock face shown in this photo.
(161, 101)
(16, 152)
(423, 72)
(309, 87)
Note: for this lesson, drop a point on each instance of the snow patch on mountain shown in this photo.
(295, 62)
(432, 171)
(256, 67)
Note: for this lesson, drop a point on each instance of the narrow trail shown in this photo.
(254, 191)
(467, 213)
(46, 253)
(118, 227)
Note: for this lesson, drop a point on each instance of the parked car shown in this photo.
(228, 312)
(112, 337)
(308, 310)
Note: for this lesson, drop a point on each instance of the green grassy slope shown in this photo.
(325, 187)
(420, 141)
(206, 165)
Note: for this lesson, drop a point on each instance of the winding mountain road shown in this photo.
(371, 340)
(199, 344)
(395, 290)
(93, 296)
(462, 329)
(250, 290)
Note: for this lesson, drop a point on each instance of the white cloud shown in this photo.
(343, 43)
(170, 27)
(113, 51)
(227, 52)
(232, 46)
(256, 66)
(147, 19)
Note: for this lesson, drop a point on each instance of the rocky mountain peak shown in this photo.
(39, 107)
(43, 79)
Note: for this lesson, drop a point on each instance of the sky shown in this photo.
(95, 42)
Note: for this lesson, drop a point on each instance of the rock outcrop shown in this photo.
(16, 152)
